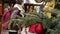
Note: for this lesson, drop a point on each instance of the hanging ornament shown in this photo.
(32, 28)
(39, 29)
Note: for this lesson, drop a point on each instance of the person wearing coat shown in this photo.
(6, 16)
(18, 8)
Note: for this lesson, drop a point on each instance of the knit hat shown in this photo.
(19, 1)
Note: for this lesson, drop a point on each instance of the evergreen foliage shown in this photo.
(52, 25)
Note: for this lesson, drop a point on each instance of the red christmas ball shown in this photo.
(39, 29)
(32, 28)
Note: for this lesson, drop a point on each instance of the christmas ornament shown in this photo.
(39, 29)
(32, 28)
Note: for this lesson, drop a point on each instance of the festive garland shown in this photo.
(50, 24)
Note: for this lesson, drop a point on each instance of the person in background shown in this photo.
(18, 9)
(6, 16)
(41, 9)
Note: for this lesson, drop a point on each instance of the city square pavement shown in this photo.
(5, 32)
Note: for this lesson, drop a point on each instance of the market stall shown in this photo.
(34, 22)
